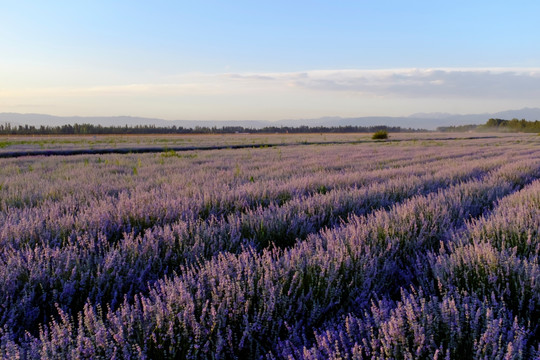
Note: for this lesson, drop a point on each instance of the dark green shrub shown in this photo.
(381, 134)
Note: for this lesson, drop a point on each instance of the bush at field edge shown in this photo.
(379, 135)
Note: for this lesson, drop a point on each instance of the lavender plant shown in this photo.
(343, 251)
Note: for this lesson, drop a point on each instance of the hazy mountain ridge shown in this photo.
(418, 121)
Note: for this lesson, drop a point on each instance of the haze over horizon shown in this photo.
(240, 60)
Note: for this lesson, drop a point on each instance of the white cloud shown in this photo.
(424, 83)
(479, 83)
(295, 94)
(411, 83)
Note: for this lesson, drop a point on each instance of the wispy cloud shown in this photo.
(428, 83)
(410, 83)
(298, 94)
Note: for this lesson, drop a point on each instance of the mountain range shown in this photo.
(428, 121)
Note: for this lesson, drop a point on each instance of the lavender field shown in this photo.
(418, 248)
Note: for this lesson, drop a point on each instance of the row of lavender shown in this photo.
(42, 274)
(195, 266)
(476, 297)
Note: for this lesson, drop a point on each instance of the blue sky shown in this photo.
(226, 60)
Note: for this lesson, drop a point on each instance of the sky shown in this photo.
(267, 60)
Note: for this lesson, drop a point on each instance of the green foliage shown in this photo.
(169, 153)
(458, 128)
(513, 125)
(89, 129)
(380, 135)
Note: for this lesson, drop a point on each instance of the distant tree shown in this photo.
(459, 128)
(512, 125)
(89, 129)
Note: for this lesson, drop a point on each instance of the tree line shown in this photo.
(457, 128)
(90, 129)
(514, 125)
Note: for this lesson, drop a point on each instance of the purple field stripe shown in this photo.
(154, 149)
(314, 275)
